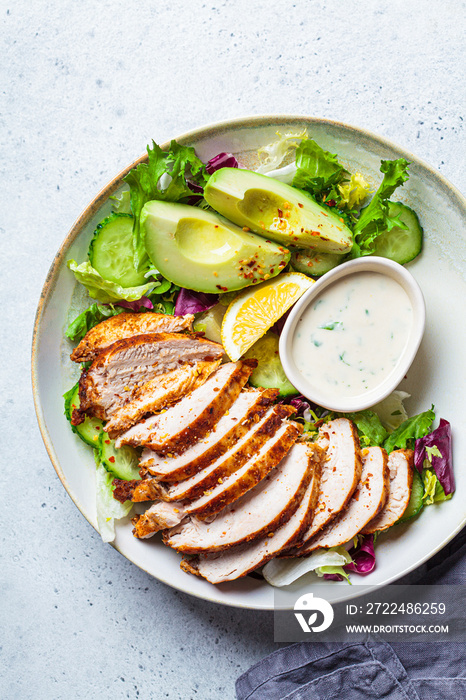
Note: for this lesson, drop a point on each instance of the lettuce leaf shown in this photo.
(106, 291)
(317, 170)
(410, 430)
(370, 429)
(282, 572)
(89, 318)
(168, 176)
(108, 508)
(122, 202)
(353, 193)
(274, 153)
(391, 410)
(433, 489)
(374, 218)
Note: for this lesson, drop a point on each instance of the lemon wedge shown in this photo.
(256, 309)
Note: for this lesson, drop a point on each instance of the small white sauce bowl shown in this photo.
(325, 399)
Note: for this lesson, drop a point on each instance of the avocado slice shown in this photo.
(276, 210)
(200, 250)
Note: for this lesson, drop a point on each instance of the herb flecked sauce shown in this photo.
(352, 335)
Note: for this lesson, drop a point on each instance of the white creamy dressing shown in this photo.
(352, 335)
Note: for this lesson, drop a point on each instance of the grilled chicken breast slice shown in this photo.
(127, 325)
(232, 460)
(231, 488)
(159, 517)
(234, 486)
(258, 513)
(238, 561)
(118, 372)
(400, 466)
(340, 472)
(159, 393)
(367, 501)
(194, 416)
(248, 409)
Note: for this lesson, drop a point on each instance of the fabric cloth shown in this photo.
(369, 669)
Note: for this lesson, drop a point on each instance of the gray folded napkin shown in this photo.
(369, 669)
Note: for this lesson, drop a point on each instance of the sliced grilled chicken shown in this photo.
(136, 490)
(194, 416)
(231, 461)
(232, 488)
(159, 517)
(260, 512)
(400, 466)
(248, 408)
(238, 561)
(340, 472)
(367, 501)
(251, 473)
(127, 325)
(119, 371)
(159, 393)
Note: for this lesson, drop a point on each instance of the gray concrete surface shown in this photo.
(84, 87)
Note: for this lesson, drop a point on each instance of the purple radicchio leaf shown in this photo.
(143, 302)
(333, 577)
(363, 556)
(443, 466)
(222, 160)
(189, 302)
(300, 403)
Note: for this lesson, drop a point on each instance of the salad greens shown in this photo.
(375, 218)
(178, 175)
(104, 290)
(409, 431)
(317, 170)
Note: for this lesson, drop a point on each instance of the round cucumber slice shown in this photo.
(111, 251)
(400, 244)
(269, 373)
(316, 264)
(122, 462)
(416, 503)
(92, 428)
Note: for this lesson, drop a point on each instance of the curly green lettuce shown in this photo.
(375, 219)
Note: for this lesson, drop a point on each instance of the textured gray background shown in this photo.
(84, 87)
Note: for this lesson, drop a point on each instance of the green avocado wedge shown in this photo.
(276, 210)
(200, 250)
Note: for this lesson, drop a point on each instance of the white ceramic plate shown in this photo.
(436, 376)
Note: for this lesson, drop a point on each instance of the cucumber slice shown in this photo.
(269, 373)
(111, 251)
(122, 463)
(316, 264)
(399, 244)
(416, 503)
(92, 428)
